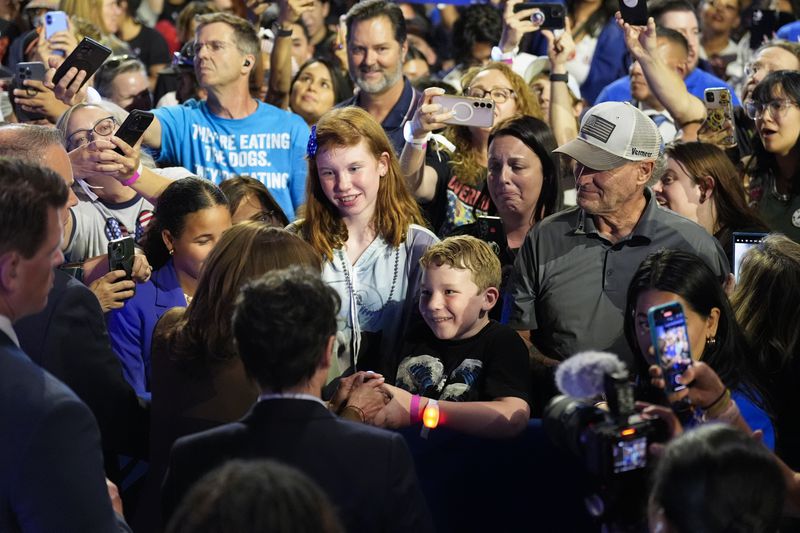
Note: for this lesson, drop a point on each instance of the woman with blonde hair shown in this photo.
(105, 15)
(450, 185)
(364, 224)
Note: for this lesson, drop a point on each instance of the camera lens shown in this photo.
(49, 19)
(537, 18)
(475, 104)
(709, 97)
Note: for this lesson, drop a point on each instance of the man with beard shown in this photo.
(376, 50)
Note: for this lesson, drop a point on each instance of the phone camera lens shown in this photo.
(538, 18)
(709, 97)
(49, 19)
(476, 104)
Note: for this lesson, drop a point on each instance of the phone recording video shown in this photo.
(670, 342)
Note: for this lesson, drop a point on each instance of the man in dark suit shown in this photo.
(51, 467)
(285, 325)
(68, 338)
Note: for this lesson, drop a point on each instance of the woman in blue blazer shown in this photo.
(189, 219)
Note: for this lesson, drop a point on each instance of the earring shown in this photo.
(711, 342)
(171, 251)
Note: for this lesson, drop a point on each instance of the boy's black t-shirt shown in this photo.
(492, 364)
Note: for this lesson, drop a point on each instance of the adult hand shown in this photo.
(369, 398)
(112, 291)
(641, 41)
(429, 116)
(395, 414)
(723, 138)
(289, 11)
(652, 411)
(98, 158)
(113, 493)
(60, 45)
(561, 48)
(346, 386)
(702, 383)
(141, 268)
(729, 285)
(516, 25)
(70, 89)
(35, 97)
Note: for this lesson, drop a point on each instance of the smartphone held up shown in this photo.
(670, 337)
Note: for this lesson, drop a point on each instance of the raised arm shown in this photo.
(421, 179)
(562, 117)
(664, 82)
(280, 75)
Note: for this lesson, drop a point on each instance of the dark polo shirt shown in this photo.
(570, 283)
(402, 112)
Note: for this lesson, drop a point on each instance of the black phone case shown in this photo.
(89, 56)
(554, 14)
(134, 127)
(634, 12)
(120, 255)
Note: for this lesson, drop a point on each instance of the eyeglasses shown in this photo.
(777, 108)
(498, 94)
(103, 127)
(115, 62)
(214, 46)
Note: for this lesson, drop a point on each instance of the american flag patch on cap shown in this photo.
(598, 127)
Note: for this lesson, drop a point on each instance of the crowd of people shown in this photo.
(325, 255)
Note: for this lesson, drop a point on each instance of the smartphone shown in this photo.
(88, 55)
(741, 243)
(467, 111)
(133, 128)
(120, 255)
(719, 109)
(34, 70)
(54, 22)
(551, 16)
(634, 12)
(670, 342)
(490, 229)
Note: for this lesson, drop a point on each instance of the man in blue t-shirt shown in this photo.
(232, 133)
(680, 16)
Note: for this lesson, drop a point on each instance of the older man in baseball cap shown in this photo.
(572, 271)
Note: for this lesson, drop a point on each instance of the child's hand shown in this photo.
(396, 413)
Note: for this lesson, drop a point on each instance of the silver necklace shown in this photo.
(349, 282)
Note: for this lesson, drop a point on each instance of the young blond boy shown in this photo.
(476, 368)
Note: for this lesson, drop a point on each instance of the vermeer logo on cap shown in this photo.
(598, 127)
(640, 153)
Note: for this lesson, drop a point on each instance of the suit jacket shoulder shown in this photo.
(51, 466)
(367, 472)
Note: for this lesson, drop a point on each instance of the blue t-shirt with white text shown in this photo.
(269, 145)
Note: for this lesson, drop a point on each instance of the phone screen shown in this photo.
(630, 454)
(741, 243)
(670, 342)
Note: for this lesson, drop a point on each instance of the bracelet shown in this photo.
(134, 178)
(559, 77)
(358, 411)
(730, 414)
(409, 137)
(414, 410)
(430, 418)
(719, 405)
